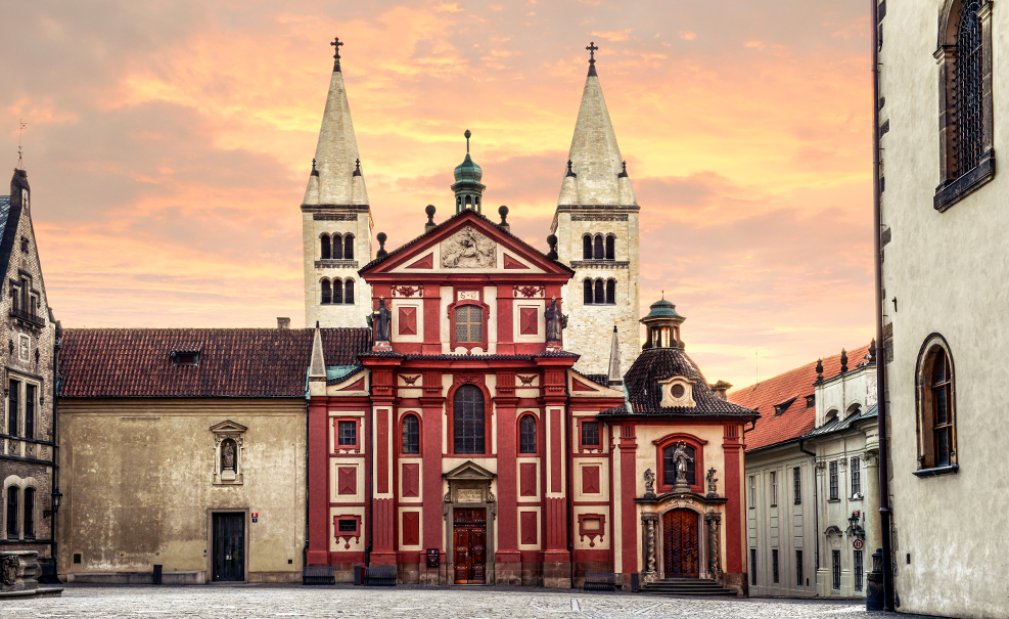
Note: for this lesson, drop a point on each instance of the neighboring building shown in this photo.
(185, 449)
(810, 477)
(944, 268)
(30, 494)
(336, 218)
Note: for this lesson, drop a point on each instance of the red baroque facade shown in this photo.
(464, 448)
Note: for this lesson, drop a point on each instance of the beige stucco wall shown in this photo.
(330, 220)
(948, 272)
(138, 485)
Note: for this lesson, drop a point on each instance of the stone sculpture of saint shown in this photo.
(649, 482)
(228, 456)
(381, 322)
(556, 321)
(682, 460)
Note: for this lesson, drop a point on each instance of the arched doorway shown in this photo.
(680, 543)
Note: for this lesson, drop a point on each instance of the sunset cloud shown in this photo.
(169, 145)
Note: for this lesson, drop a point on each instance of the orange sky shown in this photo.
(168, 148)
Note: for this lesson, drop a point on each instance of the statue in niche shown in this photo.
(381, 322)
(468, 249)
(556, 321)
(712, 482)
(228, 455)
(682, 460)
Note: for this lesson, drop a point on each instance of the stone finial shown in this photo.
(819, 372)
(315, 171)
(337, 44)
(429, 210)
(571, 173)
(381, 237)
(623, 170)
(844, 361)
(467, 134)
(503, 212)
(357, 167)
(552, 242)
(871, 357)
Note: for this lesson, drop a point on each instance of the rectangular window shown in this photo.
(469, 324)
(13, 407)
(590, 434)
(347, 525)
(347, 433)
(753, 566)
(835, 563)
(30, 410)
(753, 492)
(29, 528)
(859, 570)
(774, 565)
(856, 477)
(797, 485)
(799, 576)
(12, 512)
(774, 491)
(833, 480)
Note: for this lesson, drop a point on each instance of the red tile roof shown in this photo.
(250, 363)
(791, 389)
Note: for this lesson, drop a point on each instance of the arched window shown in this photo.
(348, 247)
(589, 296)
(469, 324)
(411, 434)
(597, 248)
(587, 246)
(348, 295)
(611, 291)
(28, 531)
(936, 407)
(965, 86)
(611, 247)
(468, 422)
(600, 292)
(12, 512)
(327, 292)
(337, 292)
(337, 247)
(669, 471)
(324, 239)
(527, 435)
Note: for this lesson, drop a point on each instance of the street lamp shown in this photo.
(57, 497)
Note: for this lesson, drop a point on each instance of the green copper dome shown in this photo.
(663, 309)
(468, 170)
(467, 186)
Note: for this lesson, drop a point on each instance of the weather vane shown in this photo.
(21, 130)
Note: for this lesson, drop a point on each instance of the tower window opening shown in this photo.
(589, 295)
(611, 291)
(348, 247)
(337, 247)
(600, 296)
(325, 249)
(587, 247)
(348, 295)
(611, 247)
(598, 252)
(327, 292)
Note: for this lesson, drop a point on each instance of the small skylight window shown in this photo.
(185, 357)
(779, 409)
(810, 401)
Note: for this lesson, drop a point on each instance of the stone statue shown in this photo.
(682, 460)
(228, 456)
(556, 321)
(649, 483)
(468, 249)
(381, 322)
(712, 482)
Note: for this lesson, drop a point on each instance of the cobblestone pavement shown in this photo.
(249, 602)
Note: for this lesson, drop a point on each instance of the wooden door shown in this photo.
(679, 530)
(229, 546)
(469, 542)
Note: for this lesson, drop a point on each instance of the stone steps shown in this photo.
(687, 587)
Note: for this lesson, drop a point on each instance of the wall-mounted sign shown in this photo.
(255, 517)
(857, 544)
(432, 557)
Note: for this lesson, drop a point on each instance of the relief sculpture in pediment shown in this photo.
(468, 249)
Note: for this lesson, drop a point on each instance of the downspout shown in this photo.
(884, 474)
(816, 507)
(54, 525)
(308, 531)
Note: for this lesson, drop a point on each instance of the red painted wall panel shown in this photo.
(527, 479)
(530, 530)
(411, 480)
(590, 479)
(411, 528)
(346, 480)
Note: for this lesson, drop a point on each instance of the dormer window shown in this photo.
(185, 357)
(677, 392)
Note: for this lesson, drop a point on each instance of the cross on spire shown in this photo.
(21, 129)
(592, 47)
(337, 44)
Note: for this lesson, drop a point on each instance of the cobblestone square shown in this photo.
(255, 602)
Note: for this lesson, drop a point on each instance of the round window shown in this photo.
(677, 391)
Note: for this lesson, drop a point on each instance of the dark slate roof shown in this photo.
(563, 354)
(5, 217)
(599, 379)
(641, 384)
(5, 210)
(838, 425)
(245, 363)
(404, 247)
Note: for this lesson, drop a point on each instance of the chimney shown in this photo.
(283, 323)
(720, 388)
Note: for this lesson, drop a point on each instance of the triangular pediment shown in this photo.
(580, 385)
(228, 427)
(466, 243)
(469, 471)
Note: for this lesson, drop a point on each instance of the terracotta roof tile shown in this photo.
(136, 363)
(789, 391)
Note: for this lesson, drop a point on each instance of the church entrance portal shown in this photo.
(470, 543)
(680, 542)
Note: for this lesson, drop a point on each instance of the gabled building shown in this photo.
(30, 490)
(812, 516)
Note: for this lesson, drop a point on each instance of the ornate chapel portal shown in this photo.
(680, 543)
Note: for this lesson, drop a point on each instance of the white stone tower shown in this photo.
(336, 219)
(596, 225)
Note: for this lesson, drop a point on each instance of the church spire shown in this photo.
(614, 376)
(467, 186)
(596, 175)
(336, 178)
